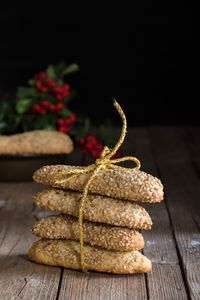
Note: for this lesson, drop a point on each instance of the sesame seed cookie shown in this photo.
(66, 253)
(36, 142)
(122, 183)
(96, 208)
(96, 234)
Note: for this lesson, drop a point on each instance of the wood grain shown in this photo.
(19, 277)
(165, 282)
(93, 286)
(182, 191)
(160, 246)
(191, 138)
(159, 242)
(173, 243)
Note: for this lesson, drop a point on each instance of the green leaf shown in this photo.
(26, 125)
(40, 122)
(52, 118)
(31, 82)
(3, 109)
(51, 72)
(84, 131)
(59, 68)
(106, 133)
(46, 122)
(48, 126)
(26, 92)
(70, 69)
(65, 113)
(16, 121)
(60, 82)
(23, 105)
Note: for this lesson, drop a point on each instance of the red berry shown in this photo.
(66, 87)
(65, 94)
(44, 89)
(42, 75)
(68, 122)
(91, 139)
(42, 111)
(94, 153)
(49, 82)
(64, 129)
(59, 106)
(45, 103)
(118, 154)
(81, 142)
(59, 97)
(61, 122)
(38, 84)
(99, 148)
(57, 90)
(72, 117)
(89, 145)
(36, 107)
(52, 107)
(98, 154)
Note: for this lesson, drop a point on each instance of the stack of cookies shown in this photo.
(111, 220)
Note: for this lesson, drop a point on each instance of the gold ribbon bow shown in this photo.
(101, 163)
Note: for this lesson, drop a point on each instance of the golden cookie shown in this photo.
(36, 142)
(96, 234)
(66, 254)
(122, 183)
(96, 208)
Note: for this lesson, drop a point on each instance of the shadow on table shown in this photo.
(19, 266)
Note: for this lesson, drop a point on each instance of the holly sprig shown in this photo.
(42, 104)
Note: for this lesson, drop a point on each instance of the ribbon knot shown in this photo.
(100, 163)
(104, 158)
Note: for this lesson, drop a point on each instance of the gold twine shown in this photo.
(101, 163)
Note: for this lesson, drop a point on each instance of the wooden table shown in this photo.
(173, 244)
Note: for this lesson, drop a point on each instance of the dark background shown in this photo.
(143, 56)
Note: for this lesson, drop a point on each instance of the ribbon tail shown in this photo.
(132, 158)
(82, 201)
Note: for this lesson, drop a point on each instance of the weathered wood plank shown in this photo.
(159, 241)
(19, 277)
(6, 189)
(165, 282)
(182, 192)
(191, 138)
(22, 279)
(93, 286)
